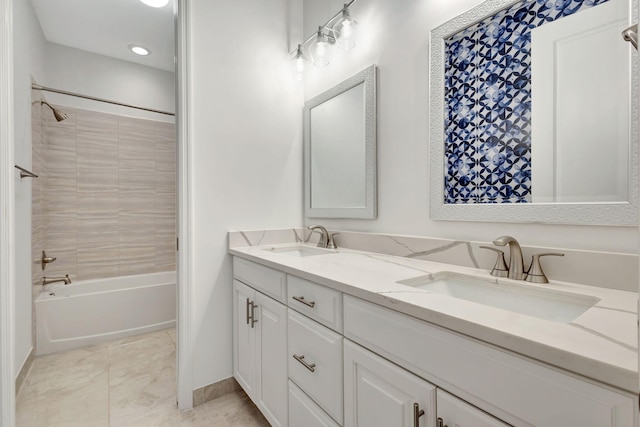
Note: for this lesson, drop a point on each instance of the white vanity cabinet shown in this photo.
(312, 356)
(378, 393)
(513, 388)
(454, 412)
(260, 351)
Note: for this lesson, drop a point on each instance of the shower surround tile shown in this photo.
(106, 205)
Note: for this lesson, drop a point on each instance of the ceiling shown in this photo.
(107, 27)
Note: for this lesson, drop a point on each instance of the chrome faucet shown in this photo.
(516, 264)
(47, 280)
(326, 239)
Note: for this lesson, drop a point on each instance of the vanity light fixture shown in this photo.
(139, 50)
(346, 30)
(320, 50)
(155, 3)
(298, 64)
(341, 29)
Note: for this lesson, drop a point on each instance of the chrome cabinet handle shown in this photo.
(253, 315)
(311, 367)
(305, 302)
(417, 413)
(441, 423)
(248, 311)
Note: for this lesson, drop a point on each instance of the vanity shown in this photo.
(346, 337)
(351, 338)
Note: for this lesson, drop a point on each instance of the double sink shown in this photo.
(541, 301)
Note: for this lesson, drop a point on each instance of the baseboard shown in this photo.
(24, 371)
(215, 390)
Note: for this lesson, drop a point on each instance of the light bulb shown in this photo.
(346, 30)
(298, 64)
(320, 50)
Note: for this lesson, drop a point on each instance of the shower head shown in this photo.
(59, 115)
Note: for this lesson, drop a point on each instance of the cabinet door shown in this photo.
(271, 346)
(244, 349)
(455, 412)
(378, 393)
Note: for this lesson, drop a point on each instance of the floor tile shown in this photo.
(128, 382)
(235, 409)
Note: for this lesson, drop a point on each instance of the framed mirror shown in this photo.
(340, 150)
(533, 114)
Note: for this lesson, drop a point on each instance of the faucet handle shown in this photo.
(332, 242)
(535, 274)
(500, 268)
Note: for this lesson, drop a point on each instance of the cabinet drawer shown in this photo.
(511, 387)
(304, 412)
(316, 301)
(317, 367)
(264, 279)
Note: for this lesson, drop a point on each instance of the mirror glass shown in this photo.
(533, 118)
(340, 150)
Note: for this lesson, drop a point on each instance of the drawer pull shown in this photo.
(417, 413)
(311, 367)
(305, 302)
(441, 423)
(253, 315)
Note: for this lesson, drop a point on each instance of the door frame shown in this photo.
(7, 220)
(184, 341)
(184, 353)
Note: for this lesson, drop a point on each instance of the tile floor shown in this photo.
(128, 382)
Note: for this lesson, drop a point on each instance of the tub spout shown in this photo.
(47, 280)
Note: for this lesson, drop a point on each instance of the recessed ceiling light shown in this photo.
(139, 50)
(155, 3)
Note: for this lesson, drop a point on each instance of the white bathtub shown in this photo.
(95, 311)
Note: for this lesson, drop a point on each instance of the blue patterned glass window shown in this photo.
(488, 103)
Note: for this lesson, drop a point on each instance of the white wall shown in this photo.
(246, 136)
(395, 36)
(100, 76)
(29, 45)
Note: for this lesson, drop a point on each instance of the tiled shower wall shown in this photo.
(105, 202)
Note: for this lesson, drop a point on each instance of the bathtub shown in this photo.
(91, 312)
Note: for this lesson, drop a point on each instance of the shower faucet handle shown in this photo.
(44, 260)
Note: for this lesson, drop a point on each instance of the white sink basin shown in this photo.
(532, 300)
(299, 251)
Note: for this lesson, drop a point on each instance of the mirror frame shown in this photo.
(597, 213)
(368, 76)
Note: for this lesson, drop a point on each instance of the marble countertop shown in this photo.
(601, 344)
